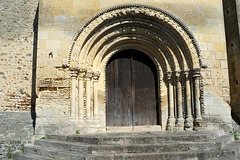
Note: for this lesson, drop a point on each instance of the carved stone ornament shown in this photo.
(96, 76)
(88, 75)
(82, 73)
(177, 75)
(168, 76)
(196, 72)
(186, 74)
(133, 10)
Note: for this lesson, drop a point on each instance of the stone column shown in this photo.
(180, 120)
(171, 118)
(95, 94)
(188, 124)
(196, 77)
(81, 75)
(74, 74)
(88, 77)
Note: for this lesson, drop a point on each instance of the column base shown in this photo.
(199, 123)
(180, 122)
(171, 123)
(188, 124)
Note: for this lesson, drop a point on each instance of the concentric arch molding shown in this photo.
(132, 10)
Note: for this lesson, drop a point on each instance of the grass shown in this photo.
(236, 134)
(9, 153)
(77, 132)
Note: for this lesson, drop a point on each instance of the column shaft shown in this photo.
(197, 98)
(73, 94)
(171, 118)
(198, 121)
(189, 118)
(95, 93)
(88, 95)
(81, 94)
(180, 120)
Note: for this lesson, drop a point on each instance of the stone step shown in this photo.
(234, 146)
(190, 155)
(29, 156)
(54, 153)
(200, 155)
(217, 143)
(212, 145)
(139, 137)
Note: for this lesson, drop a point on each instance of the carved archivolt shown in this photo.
(150, 22)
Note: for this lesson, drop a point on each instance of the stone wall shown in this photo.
(232, 22)
(17, 34)
(16, 129)
(16, 53)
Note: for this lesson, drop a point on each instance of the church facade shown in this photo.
(121, 66)
(106, 66)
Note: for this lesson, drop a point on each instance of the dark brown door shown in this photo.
(131, 84)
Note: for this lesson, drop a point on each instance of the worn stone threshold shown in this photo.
(134, 128)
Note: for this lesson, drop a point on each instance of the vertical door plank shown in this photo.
(145, 109)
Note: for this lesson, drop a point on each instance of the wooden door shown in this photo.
(131, 90)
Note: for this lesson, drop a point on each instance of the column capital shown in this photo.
(82, 73)
(74, 71)
(89, 75)
(186, 74)
(168, 76)
(196, 72)
(177, 75)
(96, 76)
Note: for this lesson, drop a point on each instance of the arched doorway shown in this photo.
(163, 38)
(131, 90)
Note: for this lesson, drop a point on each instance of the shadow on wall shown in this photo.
(235, 118)
(34, 66)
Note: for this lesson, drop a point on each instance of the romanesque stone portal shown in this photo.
(153, 32)
(102, 78)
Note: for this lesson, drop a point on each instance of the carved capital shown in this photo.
(169, 76)
(88, 75)
(186, 74)
(74, 74)
(96, 76)
(196, 72)
(177, 75)
(82, 73)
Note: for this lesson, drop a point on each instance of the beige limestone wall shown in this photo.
(59, 22)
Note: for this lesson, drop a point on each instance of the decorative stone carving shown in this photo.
(88, 75)
(82, 73)
(136, 10)
(96, 76)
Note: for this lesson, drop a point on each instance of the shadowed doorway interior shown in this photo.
(131, 90)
